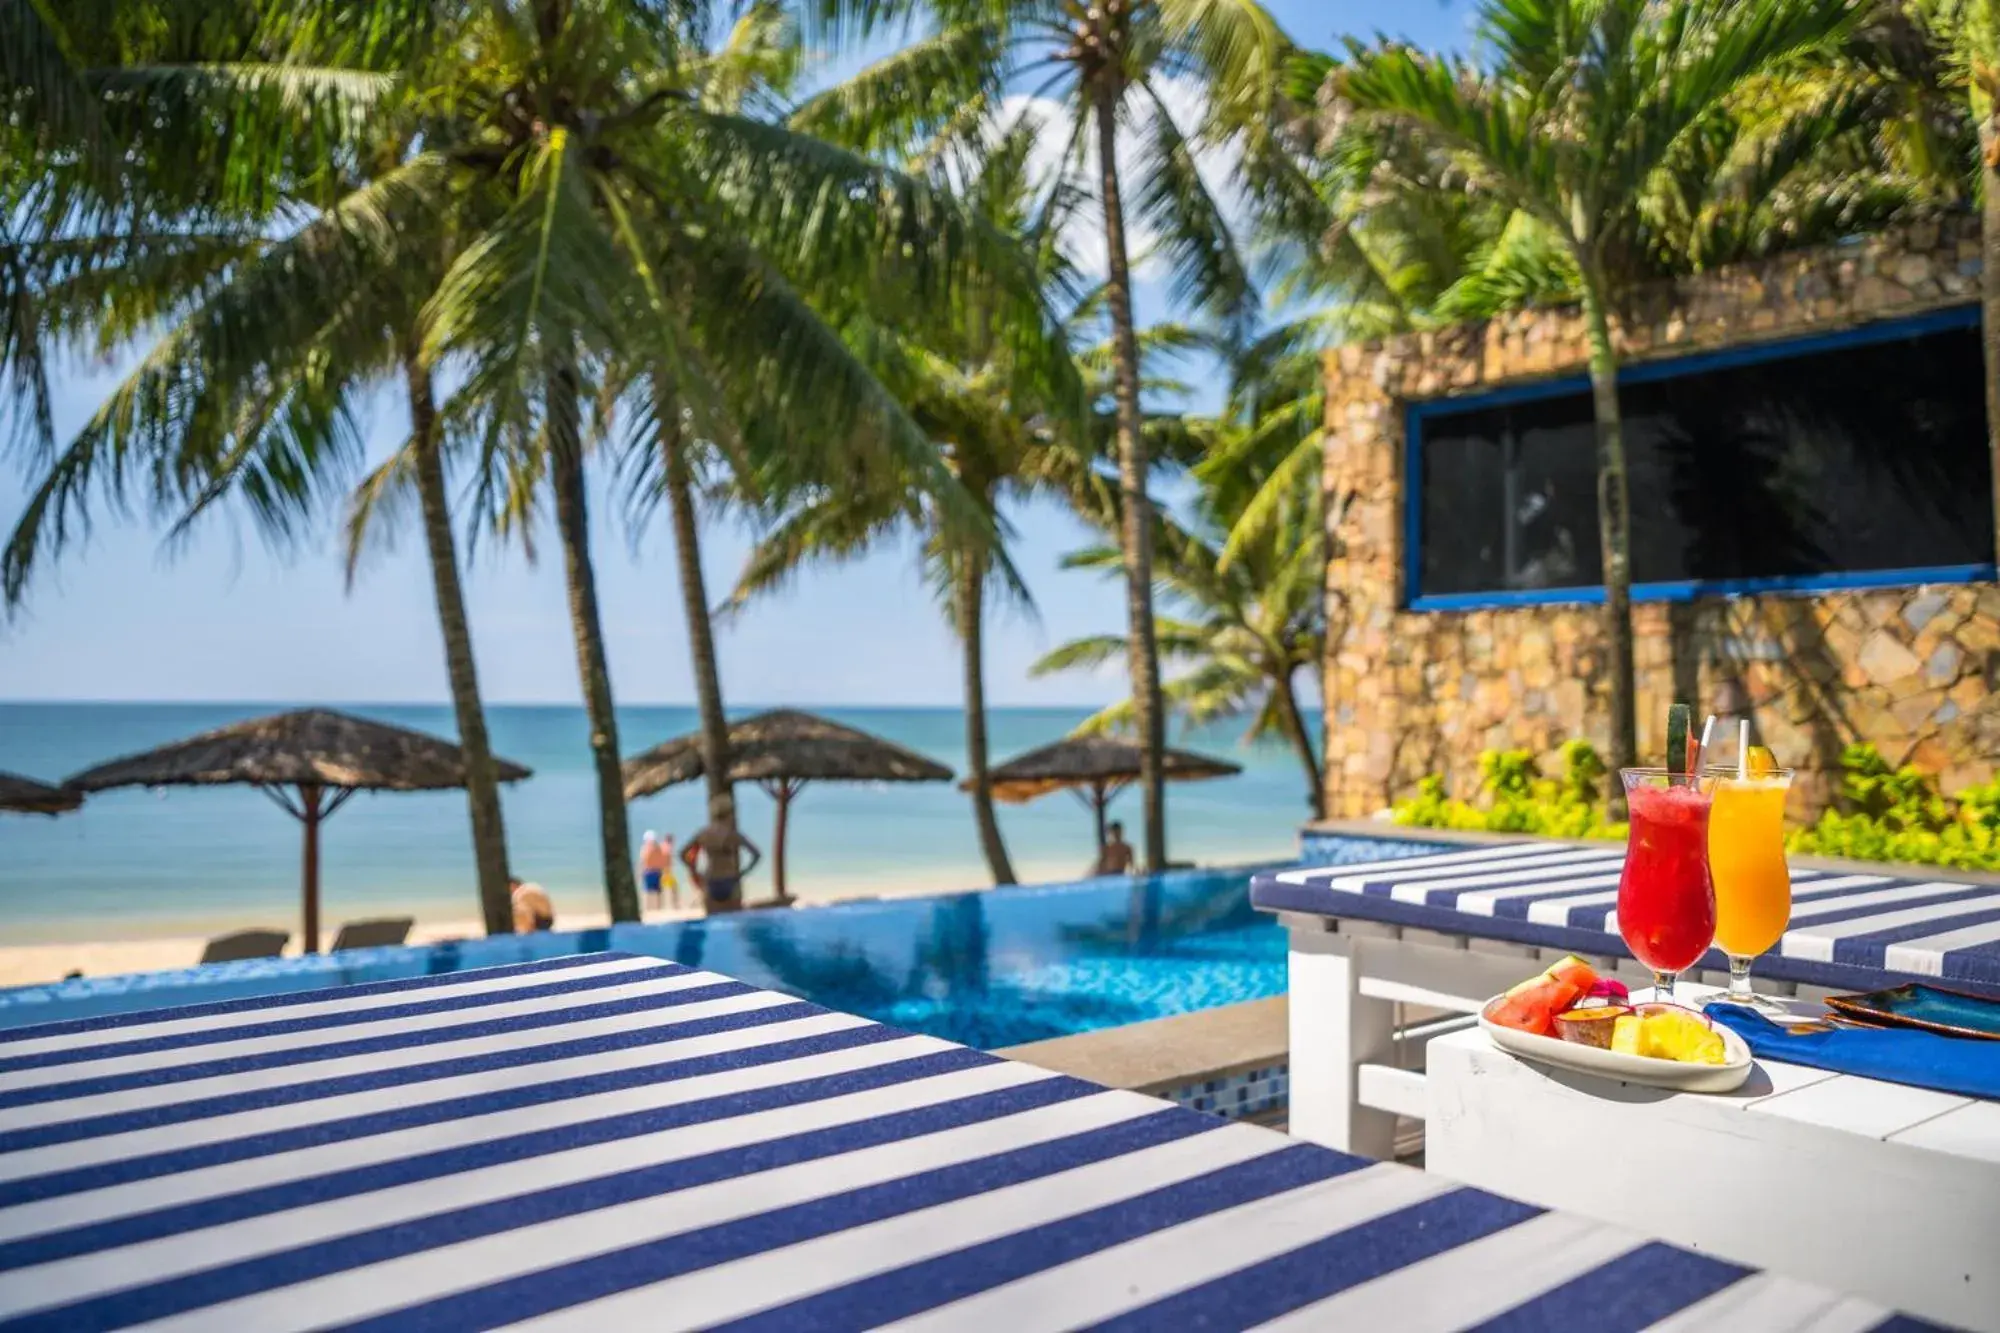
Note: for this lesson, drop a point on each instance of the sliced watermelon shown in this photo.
(1534, 1008)
(1574, 969)
(1570, 968)
(1533, 1005)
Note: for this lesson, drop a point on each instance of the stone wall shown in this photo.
(1413, 693)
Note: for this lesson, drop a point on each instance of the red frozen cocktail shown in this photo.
(1666, 904)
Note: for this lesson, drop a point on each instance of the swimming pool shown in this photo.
(986, 969)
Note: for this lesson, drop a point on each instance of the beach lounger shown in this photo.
(376, 933)
(245, 944)
(642, 1145)
(1450, 930)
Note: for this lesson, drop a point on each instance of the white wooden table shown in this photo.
(1888, 1191)
(1384, 956)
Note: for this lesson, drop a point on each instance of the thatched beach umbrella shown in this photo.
(1095, 768)
(29, 797)
(781, 751)
(309, 762)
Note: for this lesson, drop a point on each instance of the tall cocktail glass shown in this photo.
(1666, 903)
(1746, 861)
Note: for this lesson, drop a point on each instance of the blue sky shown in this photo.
(223, 617)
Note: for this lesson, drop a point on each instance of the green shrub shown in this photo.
(1518, 799)
(1882, 813)
(1898, 814)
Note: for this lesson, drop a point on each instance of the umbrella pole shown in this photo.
(780, 791)
(310, 795)
(1099, 798)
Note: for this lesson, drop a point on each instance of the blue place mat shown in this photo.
(1964, 1065)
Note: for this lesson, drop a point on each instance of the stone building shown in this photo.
(1418, 682)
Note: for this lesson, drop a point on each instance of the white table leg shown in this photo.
(1334, 1029)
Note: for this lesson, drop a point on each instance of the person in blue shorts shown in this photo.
(656, 870)
(720, 879)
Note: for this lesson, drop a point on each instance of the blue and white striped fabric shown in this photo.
(608, 1142)
(1846, 929)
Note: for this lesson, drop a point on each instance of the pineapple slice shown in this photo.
(1668, 1032)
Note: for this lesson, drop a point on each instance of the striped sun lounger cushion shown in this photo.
(607, 1142)
(1846, 929)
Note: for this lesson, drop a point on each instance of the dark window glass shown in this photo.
(1863, 458)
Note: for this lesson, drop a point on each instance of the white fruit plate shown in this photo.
(1682, 1077)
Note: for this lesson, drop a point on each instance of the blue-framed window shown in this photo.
(1842, 460)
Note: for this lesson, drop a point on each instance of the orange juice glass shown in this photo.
(1746, 861)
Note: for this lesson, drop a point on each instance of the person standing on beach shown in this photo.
(720, 881)
(656, 869)
(532, 909)
(1115, 857)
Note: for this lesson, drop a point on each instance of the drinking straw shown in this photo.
(1701, 747)
(1743, 748)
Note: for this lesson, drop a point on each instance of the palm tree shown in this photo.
(1581, 108)
(482, 784)
(419, 467)
(597, 217)
(1113, 65)
(102, 252)
(749, 74)
(1003, 435)
(1243, 629)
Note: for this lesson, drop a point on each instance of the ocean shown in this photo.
(198, 861)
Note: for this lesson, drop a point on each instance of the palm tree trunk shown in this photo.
(1136, 517)
(1615, 532)
(1989, 143)
(621, 890)
(1295, 728)
(701, 633)
(482, 783)
(971, 634)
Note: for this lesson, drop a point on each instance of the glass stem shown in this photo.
(1663, 986)
(1739, 981)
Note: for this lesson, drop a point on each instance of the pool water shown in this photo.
(985, 969)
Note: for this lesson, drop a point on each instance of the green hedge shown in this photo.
(1882, 813)
(1518, 799)
(1898, 814)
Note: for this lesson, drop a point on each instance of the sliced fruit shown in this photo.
(1533, 1005)
(1669, 1032)
(1625, 1034)
(1535, 1009)
(1569, 968)
(1590, 1027)
(1759, 763)
(1677, 1034)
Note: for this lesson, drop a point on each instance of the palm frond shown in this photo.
(526, 292)
(1081, 654)
(248, 393)
(911, 96)
(378, 507)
